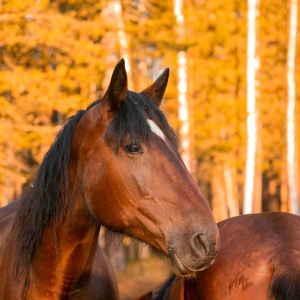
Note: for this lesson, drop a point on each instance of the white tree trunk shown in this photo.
(115, 38)
(232, 203)
(252, 65)
(182, 88)
(291, 157)
(122, 38)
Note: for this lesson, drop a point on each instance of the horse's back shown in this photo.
(8, 288)
(259, 257)
(7, 217)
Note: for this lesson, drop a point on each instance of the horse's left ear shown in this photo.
(117, 88)
(156, 90)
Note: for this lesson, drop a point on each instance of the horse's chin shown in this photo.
(180, 269)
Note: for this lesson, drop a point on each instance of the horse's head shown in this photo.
(132, 179)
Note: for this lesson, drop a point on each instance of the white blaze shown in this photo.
(155, 129)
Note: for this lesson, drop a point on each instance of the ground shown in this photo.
(140, 277)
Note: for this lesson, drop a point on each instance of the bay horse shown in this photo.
(259, 259)
(115, 164)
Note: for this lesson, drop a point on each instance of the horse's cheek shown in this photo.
(103, 200)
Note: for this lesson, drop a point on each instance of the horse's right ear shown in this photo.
(157, 89)
(117, 88)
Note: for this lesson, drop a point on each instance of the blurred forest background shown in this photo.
(57, 57)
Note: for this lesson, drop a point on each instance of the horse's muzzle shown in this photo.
(197, 257)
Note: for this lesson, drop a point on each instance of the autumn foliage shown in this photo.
(56, 57)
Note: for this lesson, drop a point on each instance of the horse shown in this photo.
(115, 164)
(259, 259)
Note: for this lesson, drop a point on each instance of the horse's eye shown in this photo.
(133, 148)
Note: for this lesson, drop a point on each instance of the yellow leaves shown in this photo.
(55, 55)
(49, 62)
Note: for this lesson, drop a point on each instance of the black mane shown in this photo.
(44, 202)
(285, 284)
(48, 200)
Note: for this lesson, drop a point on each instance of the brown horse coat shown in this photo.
(259, 259)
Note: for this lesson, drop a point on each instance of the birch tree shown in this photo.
(291, 157)
(232, 204)
(122, 38)
(252, 64)
(116, 38)
(183, 107)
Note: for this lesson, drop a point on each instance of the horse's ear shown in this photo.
(117, 88)
(156, 90)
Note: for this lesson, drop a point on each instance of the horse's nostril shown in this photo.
(199, 243)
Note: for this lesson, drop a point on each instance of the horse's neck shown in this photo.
(64, 261)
